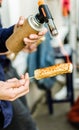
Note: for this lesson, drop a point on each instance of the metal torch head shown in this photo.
(45, 16)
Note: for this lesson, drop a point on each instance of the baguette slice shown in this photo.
(53, 71)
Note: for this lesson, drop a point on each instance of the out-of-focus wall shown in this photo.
(55, 8)
(28, 7)
(10, 12)
(12, 9)
(5, 13)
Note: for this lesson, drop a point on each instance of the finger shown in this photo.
(33, 36)
(11, 80)
(15, 84)
(33, 47)
(30, 48)
(27, 79)
(22, 76)
(18, 92)
(21, 21)
(1, 83)
(23, 89)
(20, 95)
(26, 76)
(27, 41)
(43, 32)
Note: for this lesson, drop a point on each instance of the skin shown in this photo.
(0, 3)
(14, 88)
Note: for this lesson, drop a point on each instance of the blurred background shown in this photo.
(50, 105)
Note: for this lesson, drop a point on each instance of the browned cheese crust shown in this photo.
(54, 70)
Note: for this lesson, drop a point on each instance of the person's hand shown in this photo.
(14, 88)
(31, 42)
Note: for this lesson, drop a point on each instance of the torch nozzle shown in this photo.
(40, 2)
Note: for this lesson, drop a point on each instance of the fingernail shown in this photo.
(27, 75)
(25, 41)
(33, 36)
(40, 33)
(21, 21)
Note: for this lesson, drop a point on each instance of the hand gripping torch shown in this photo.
(32, 25)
